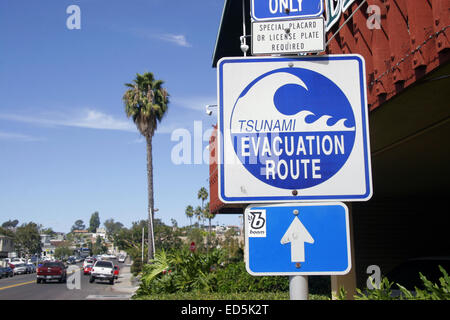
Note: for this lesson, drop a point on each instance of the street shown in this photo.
(24, 287)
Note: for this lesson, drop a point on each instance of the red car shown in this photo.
(116, 272)
(88, 269)
(51, 271)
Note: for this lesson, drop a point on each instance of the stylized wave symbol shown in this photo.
(262, 95)
(320, 124)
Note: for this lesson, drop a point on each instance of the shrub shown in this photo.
(432, 291)
(183, 271)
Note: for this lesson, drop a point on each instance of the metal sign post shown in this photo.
(298, 288)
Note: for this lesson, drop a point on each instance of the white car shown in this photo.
(122, 258)
(88, 261)
(102, 270)
(20, 268)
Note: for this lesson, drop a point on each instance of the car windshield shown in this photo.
(103, 264)
(20, 265)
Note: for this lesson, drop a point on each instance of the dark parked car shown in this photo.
(54, 270)
(6, 272)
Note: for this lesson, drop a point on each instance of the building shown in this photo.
(6, 246)
(407, 53)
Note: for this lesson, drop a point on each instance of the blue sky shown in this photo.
(66, 146)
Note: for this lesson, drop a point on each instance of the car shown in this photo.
(31, 268)
(116, 272)
(20, 268)
(15, 261)
(89, 261)
(88, 269)
(71, 260)
(102, 270)
(6, 272)
(51, 270)
(122, 258)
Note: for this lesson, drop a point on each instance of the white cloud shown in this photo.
(197, 103)
(18, 137)
(87, 118)
(178, 39)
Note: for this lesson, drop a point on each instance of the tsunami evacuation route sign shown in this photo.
(293, 129)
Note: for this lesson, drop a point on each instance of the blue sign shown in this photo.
(263, 10)
(298, 129)
(298, 239)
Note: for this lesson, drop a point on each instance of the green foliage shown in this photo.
(94, 222)
(184, 271)
(383, 292)
(342, 294)
(27, 239)
(234, 278)
(78, 225)
(180, 271)
(431, 291)
(10, 224)
(112, 228)
(62, 252)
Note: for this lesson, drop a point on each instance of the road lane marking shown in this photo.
(17, 285)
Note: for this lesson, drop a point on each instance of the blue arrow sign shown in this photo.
(298, 239)
(263, 10)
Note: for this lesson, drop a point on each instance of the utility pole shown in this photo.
(142, 247)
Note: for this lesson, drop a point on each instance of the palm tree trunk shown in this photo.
(150, 198)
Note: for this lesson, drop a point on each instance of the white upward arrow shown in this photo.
(297, 235)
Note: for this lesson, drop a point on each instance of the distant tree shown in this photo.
(62, 252)
(98, 247)
(48, 231)
(112, 228)
(189, 212)
(10, 224)
(94, 222)
(202, 195)
(6, 232)
(27, 239)
(208, 215)
(78, 225)
(198, 212)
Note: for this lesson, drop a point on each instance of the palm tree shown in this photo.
(198, 212)
(203, 195)
(189, 212)
(208, 215)
(146, 102)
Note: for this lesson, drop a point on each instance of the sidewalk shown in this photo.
(126, 285)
